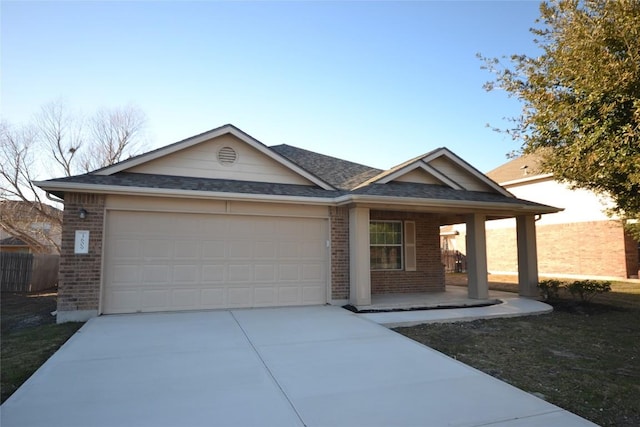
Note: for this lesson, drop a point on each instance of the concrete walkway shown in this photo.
(300, 366)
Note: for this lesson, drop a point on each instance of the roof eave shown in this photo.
(53, 187)
(440, 203)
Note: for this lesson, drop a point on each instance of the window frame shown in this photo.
(399, 245)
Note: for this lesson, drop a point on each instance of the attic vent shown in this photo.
(227, 156)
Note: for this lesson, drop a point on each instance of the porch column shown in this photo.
(359, 262)
(478, 287)
(527, 256)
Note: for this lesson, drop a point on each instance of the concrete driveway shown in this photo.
(311, 366)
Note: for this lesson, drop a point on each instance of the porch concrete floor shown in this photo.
(416, 309)
(452, 297)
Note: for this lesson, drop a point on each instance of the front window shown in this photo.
(385, 239)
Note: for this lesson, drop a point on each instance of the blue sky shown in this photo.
(372, 82)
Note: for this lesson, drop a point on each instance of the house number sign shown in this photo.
(82, 242)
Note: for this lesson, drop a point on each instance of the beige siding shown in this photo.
(167, 204)
(419, 176)
(459, 175)
(201, 161)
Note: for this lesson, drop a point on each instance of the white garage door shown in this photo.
(167, 261)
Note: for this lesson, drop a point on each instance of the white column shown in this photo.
(478, 287)
(359, 262)
(527, 256)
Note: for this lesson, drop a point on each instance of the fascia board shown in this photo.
(528, 180)
(411, 201)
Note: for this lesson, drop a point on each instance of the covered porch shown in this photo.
(419, 282)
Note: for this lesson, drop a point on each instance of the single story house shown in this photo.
(220, 220)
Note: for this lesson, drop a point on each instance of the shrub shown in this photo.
(550, 288)
(587, 289)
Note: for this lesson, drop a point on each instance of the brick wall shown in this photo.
(339, 218)
(79, 285)
(595, 248)
(632, 257)
(429, 275)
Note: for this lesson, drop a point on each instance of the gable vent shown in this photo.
(227, 156)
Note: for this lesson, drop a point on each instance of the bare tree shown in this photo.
(56, 137)
(115, 134)
(61, 133)
(23, 214)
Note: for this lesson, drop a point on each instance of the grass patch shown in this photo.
(29, 337)
(583, 357)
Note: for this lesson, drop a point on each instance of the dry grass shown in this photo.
(582, 357)
(29, 337)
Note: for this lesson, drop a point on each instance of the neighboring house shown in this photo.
(13, 245)
(25, 228)
(581, 241)
(220, 220)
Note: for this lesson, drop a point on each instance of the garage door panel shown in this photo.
(240, 249)
(288, 250)
(264, 273)
(154, 299)
(186, 249)
(125, 248)
(288, 272)
(313, 249)
(156, 274)
(213, 273)
(186, 274)
(213, 249)
(265, 296)
(213, 298)
(194, 261)
(312, 272)
(185, 298)
(289, 295)
(126, 274)
(124, 301)
(240, 273)
(239, 296)
(158, 249)
(310, 294)
(265, 250)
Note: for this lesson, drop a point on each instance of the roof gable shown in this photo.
(222, 153)
(440, 167)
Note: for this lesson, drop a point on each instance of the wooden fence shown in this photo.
(28, 272)
(454, 261)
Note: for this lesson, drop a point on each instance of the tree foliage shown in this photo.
(581, 98)
(55, 143)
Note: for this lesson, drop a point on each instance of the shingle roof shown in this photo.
(438, 192)
(525, 166)
(339, 173)
(142, 180)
